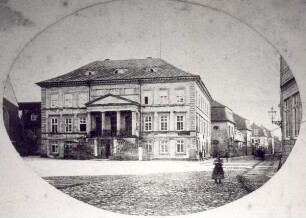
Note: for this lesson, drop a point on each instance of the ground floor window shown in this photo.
(148, 146)
(82, 124)
(164, 147)
(54, 147)
(180, 146)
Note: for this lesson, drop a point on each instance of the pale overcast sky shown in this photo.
(239, 68)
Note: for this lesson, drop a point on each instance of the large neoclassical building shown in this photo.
(114, 104)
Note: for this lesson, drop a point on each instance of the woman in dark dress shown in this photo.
(218, 172)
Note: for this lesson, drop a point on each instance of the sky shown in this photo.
(239, 68)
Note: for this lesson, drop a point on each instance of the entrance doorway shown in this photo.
(106, 149)
(113, 125)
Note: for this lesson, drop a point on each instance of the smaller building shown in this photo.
(243, 125)
(259, 138)
(12, 122)
(223, 129)
(30, 116)
(239, 143)
(270, 137)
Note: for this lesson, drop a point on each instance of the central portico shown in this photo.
(111, 120)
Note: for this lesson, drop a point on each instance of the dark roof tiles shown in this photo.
(133, 69)
(241, 123)
(221, 113)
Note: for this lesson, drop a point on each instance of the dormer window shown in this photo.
(152, 70)
(120, 71)
(89, 73)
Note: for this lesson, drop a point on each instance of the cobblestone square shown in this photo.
(161, 194)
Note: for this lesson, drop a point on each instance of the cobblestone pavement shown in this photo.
(161, 194)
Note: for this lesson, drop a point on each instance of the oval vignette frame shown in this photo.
(111, 1)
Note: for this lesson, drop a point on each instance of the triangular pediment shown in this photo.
(110, 99)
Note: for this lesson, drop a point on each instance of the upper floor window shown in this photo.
(179, 95)
(82, 123)
(179, 122)
(164, 122)
(68, 125)
(148, 123)
(296, 112)
(287, 117)
(163, 95)
(54, 100)
(68, 100)
(147, 97)
(83, 98)
(54, 125)
(255, 131)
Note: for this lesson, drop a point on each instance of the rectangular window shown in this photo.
(54, 147)
(82, 122)
(54, 125)
(287, 117)
(180, 146)
(148, 123)
(180, 94)
(296, 114)
(164, 122)
(163, 95)
(164, 147)
(83, 98)
(54, 101)
(148, 146)
(68, 125)
(147, 97)
(68, 100)
(255, 131)
(179, 122)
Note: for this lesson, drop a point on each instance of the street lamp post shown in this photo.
(272, 114)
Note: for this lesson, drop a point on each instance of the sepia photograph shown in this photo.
(148, 108)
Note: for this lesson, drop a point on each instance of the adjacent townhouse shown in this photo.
(243, 125)
(222, 129)
(270, 137)
(115, 106)
(259, 138)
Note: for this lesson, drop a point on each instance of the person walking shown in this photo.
(218, 172)
(201, 155)
(226, 156)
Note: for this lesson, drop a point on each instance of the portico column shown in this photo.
(88, 123)
(102, 121)
(118, 122)
(133, 122)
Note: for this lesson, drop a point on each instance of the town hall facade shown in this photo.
(114, 106)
